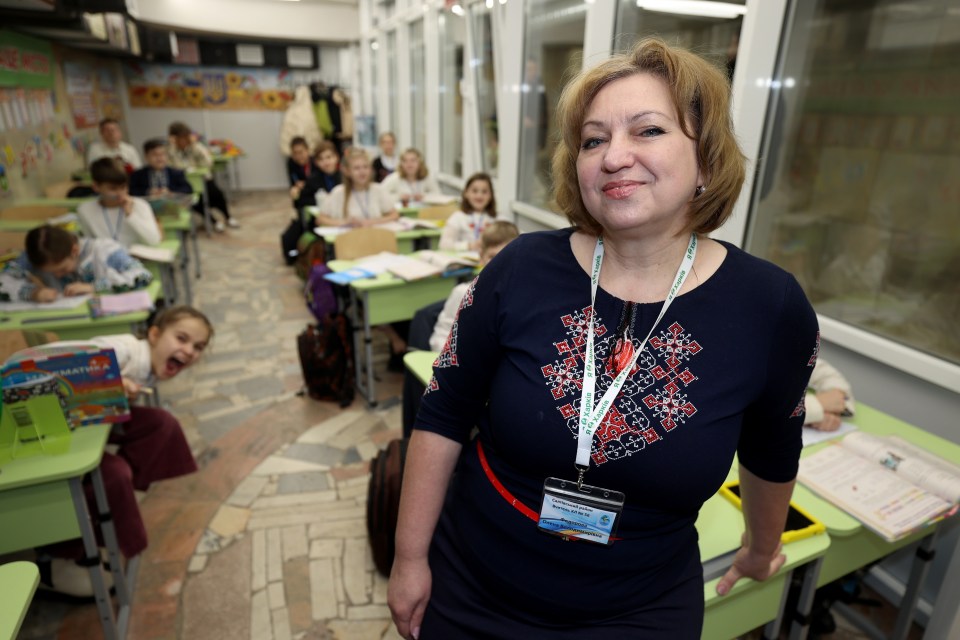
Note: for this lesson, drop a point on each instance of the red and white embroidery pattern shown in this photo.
(660, 373)
(816, 352)
(801, 408)
(448, 355)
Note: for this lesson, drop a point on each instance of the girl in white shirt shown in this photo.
(358, 202)
(478, 206)
(411, 181)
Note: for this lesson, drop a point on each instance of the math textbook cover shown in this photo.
(87, 376)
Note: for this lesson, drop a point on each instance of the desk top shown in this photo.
(83, 455)
(420, 364)
(53, 202)
(387, 280)
(18, 582)
(79, 318)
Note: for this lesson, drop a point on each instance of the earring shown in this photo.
(699, 191)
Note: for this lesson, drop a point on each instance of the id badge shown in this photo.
(586, 513)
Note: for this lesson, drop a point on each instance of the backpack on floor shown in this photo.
(288, 241)
(383, 502)
(311, 249)
(319, 292)
(326, 359)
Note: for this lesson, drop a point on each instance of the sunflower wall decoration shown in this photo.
(176, 87)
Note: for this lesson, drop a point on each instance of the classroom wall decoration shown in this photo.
(224, 88)
(25, 62)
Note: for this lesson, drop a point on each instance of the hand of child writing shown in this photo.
(77, 289)
(833, 400)
(44, 294)
(830, 422)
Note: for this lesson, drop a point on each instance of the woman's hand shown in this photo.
(78, 289)
(747, 564)
(408, 594)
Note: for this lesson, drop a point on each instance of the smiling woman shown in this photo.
(608, 347)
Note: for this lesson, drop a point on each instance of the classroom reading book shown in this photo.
(424, 264)
(169, 205)
(890, 485)
(88, 378)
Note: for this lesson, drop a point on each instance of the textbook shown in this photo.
(151, 254)
(893, 487)
(169, 205)
(88, 380)
(424, 264)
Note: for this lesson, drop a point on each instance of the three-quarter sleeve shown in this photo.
(770, 440)
(460, 387)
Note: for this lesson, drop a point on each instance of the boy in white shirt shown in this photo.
(115, 214)
(113, 146)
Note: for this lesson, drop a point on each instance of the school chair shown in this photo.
(439, 213)
(18, 582)
(364, 242)
(59, 190)
(12, 242)
(38, 213)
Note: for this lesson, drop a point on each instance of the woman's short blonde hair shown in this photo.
(701, 94)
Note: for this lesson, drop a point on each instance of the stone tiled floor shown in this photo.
(267, 540)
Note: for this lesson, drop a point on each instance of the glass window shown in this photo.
(392, 94)
(452, 38)
(713, 33)
(374, 86)
(858, 193)
(486, 83)
(554, 52)
(418, 99)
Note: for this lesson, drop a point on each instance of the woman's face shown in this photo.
(636, 168)
(360, 172)
(478, 195)
(410, 164)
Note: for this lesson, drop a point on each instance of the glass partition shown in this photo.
(453, 37)
(858, 194)
(553, 53)
(393, 95)
(418, 99)
(486, 83)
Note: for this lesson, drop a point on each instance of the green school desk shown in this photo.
(384, 299)
(167, 272)
(749, 604)
(197, 178)
(18, 582)
(42, 502)
(71, 203)
(854, 546)
(76, 324)
(228, 164)
(406, 240)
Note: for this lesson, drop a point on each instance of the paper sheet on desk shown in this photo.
(813, 436)
(63, 303)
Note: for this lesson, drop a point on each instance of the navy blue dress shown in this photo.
(724, 372)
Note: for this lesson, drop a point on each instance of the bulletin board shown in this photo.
(225, 88)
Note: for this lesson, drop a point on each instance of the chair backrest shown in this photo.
(13, 340)
(364, 242)
(12, 241)
(59, 189)
(38, 212)
(439, 212)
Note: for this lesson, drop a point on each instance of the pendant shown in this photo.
(622, 354)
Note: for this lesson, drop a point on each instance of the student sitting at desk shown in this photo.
(152, 446)
(324, 177)
(358, 202)
(386, 162)
(187, 152)
(829, 398)
(113, 146)
(57, 262)
(158, 179)
(115, 214)
(412, 180)
(478, 208)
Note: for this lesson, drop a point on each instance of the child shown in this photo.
(113, 146)
(386, 162)
(494, 238)
(412, 181)
(152, 446)
(298, 164)
(157, 179)
(186, 152)
(323, 178)
(57, 262)
(115, 214)
(358, 202)
(478, 208)
(829, 398)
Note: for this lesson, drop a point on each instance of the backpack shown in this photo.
(288, 241)
(311, 249)
(326, 359)
(383, 502)
(319, 293)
